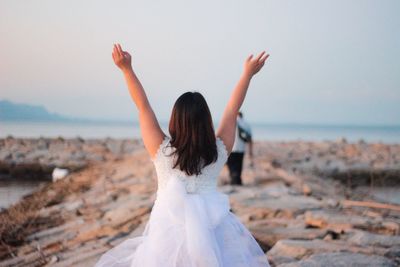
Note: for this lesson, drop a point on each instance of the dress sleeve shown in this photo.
(222, 151)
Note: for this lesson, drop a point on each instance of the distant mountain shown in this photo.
(10, 111)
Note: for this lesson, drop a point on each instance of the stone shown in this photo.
(363, 238)
(297, 249)
(342, 259)
(286, 205)
(268, 236)
(5, 155)
(391, 227)
(55, 231)
(124, 214)
(306, 190)
(337, 221)
(294, 211)
(37, 154)
(393, 253)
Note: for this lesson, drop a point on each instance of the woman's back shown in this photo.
(202, 183)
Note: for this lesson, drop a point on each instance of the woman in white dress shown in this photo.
(190, 224)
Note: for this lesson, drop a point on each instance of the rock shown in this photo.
(280, 260)
(115, 146)
(361, 142)
(124, 214)
(51, 260)
(86, 257)
(363, 238)
(342, 259)
(276, 189)
(95, 157)
(391, 227)
(5, 155)
(282, 252)
(268, 236)
(293, 210)
(18, 155)
(135, 233)
(287, 206)
(55, 231)
(394, 253)
(337, 221)
(78, 155)
(297, 249)
(276, 164)
(332, 203)
(31, 158)
(75, 165)
(306, 190)
(42, 143)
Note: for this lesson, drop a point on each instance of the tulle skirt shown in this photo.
(188, 230)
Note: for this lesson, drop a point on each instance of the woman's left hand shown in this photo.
(121, 58)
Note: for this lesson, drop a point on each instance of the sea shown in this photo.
(11, 191)
(261, 132)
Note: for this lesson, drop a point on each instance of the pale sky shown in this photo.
(332, 62)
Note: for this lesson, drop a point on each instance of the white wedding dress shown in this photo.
(190, 224)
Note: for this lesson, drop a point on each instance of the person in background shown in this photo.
(235, 160)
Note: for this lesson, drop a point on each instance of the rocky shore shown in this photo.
(36, 158)
(307, 203)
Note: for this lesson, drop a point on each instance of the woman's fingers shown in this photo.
(126, 54)
(254, 64)
(115, 50)
(264, 58)
(121, 58)
(121, 53)
(260, 56)
(120, 49)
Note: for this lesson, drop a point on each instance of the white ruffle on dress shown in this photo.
(190, 224)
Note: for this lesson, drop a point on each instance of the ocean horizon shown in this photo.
(261, 131)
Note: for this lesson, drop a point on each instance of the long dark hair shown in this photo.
(192, 133)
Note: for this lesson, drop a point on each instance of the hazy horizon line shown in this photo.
(165, 123)
(73, 119)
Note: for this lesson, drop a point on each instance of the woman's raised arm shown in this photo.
(227, 127)
(152, 134)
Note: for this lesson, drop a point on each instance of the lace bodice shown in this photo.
(203, 183)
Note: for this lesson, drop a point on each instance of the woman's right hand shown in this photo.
(121, 58)
(254, 65)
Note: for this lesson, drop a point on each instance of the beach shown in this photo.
(307, 203)
(313, 84)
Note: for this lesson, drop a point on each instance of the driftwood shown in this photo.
(370, 204)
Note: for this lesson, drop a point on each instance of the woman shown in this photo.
(190, 224)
